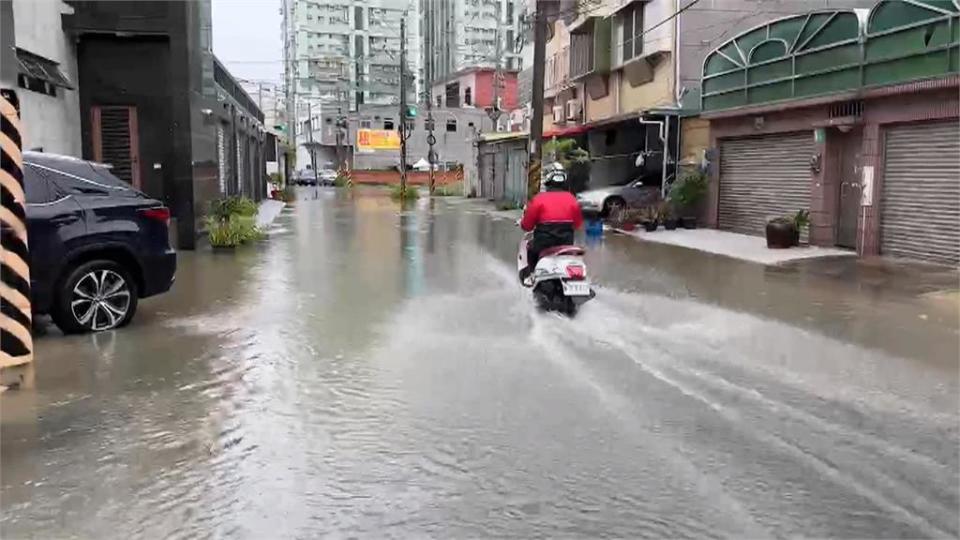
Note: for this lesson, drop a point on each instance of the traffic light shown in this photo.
(410, 111)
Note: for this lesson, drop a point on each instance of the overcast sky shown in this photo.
(247, 39)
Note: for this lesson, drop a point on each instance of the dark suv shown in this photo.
(97, 245)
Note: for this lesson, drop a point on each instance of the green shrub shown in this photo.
(448, 190)
(341, 180)
(508, 205)
(688, 192)
(223, 208)
(233, 231)
(410, 194)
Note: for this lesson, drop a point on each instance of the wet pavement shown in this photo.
(371, 372)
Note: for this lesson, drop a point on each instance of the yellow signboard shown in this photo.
(377, 139)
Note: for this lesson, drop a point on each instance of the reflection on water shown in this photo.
(376, 371)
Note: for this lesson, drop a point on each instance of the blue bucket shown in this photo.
(594, 227)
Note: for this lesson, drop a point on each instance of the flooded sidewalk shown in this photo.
(371, 370)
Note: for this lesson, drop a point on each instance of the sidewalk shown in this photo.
(735, 245)
(268, 211)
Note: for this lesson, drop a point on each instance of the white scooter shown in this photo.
(560, 281)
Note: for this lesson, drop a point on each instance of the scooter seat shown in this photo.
(576, 251)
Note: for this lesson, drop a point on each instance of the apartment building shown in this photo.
(457, 35)
(346, 53)
(42, 68)
(623, 78)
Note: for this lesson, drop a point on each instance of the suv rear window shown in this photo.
(80, 177)
(37, 189)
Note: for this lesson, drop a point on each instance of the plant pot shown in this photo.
(781, 235)
(670, 224)
(796, 236)
(650, 226)
(627, 226)
(688, 222)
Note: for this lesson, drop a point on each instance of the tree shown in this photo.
(575, 160)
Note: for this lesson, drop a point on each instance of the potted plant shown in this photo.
(781, 233)
(687, 195)
(624, 220)
(801, 220)
(667, 217)
(649, 218)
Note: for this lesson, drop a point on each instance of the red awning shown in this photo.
(561, 132)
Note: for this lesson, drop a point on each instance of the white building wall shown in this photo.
(48, 122)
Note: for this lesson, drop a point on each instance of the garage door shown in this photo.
(920, 207)
(762, 178)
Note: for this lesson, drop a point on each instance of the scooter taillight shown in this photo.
(575, 271)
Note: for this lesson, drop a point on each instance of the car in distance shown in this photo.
(97, 245)
(608, 200)
(306, 177)
(328, 177)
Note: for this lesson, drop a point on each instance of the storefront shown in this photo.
(854, 117)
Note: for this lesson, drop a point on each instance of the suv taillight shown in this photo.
(161, 214)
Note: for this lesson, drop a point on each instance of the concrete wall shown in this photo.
(655, 93)
(694, 141)
(49, 122)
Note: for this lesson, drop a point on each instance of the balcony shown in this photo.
(557, 73)
(590, 48)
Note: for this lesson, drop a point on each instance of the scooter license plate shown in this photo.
(576, 288)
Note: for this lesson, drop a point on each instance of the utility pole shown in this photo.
(403, 108)
(536, 123)
(431, 139)
(313, 152)
(495, 112)
(339, 132)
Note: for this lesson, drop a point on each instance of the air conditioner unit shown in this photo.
(573, 109)
(558, 114)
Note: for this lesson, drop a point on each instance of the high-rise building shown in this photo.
(346, 53)
(459, 34)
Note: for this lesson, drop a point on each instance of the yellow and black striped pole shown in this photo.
(16, 343)
(533, 178)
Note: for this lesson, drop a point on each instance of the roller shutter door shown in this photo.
(920, 207)
(762, 178)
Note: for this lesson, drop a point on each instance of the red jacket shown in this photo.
(552, 207)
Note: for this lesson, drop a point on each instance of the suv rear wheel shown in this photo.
(96, 295)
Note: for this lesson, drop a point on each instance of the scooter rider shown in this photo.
(553, 216)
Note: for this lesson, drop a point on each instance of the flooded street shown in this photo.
(377, 373)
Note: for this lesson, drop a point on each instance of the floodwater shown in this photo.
(376, 373)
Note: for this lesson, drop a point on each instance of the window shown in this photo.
(631, 33)
(77, 177)
(358, 17)
(388, 123)
(468, 96)
(439, 101)
(365, 123)
(36, 188)
(39, 74)
(452, 125)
